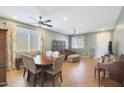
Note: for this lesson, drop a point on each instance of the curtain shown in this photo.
(11, 42)
(43, 40)
(102, 43)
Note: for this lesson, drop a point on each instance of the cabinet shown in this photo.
(58, 45)
(3, 57)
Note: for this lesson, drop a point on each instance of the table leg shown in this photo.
(42, 81)
(44, 76)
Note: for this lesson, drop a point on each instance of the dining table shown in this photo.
(43, 62)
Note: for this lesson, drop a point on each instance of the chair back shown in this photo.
(24, 60)
(29, 63)
(55, 54)
(57, 64)
(48, 53)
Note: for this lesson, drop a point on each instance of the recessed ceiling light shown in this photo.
(15, 17)
(65, 19)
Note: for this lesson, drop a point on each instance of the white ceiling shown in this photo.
(82, 18)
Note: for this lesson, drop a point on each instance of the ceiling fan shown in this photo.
(41, 22)
(75, 33)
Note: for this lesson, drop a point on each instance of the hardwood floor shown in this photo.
(80, 74)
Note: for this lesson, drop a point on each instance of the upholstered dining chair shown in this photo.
(115, 75)
(24, 59)
(55, 54)
(56, 69)
(30, 66)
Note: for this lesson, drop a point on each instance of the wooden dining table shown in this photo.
(43, 62)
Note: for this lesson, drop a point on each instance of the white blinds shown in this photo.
(35, 41)
(27, 40)
(22, 40)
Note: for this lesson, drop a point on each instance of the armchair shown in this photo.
(116, 75)
(101, 65)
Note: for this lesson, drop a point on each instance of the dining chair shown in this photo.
(48, 53)
(30, 67)
(24, 60)
(55, 54)
(56, 69)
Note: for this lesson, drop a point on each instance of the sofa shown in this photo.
(66, 52)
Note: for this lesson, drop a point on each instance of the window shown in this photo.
(22, 40)
(35, 41)
(78, 42)
(27, 40)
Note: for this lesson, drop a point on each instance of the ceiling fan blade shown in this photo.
(47, 25)
(46, 21)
